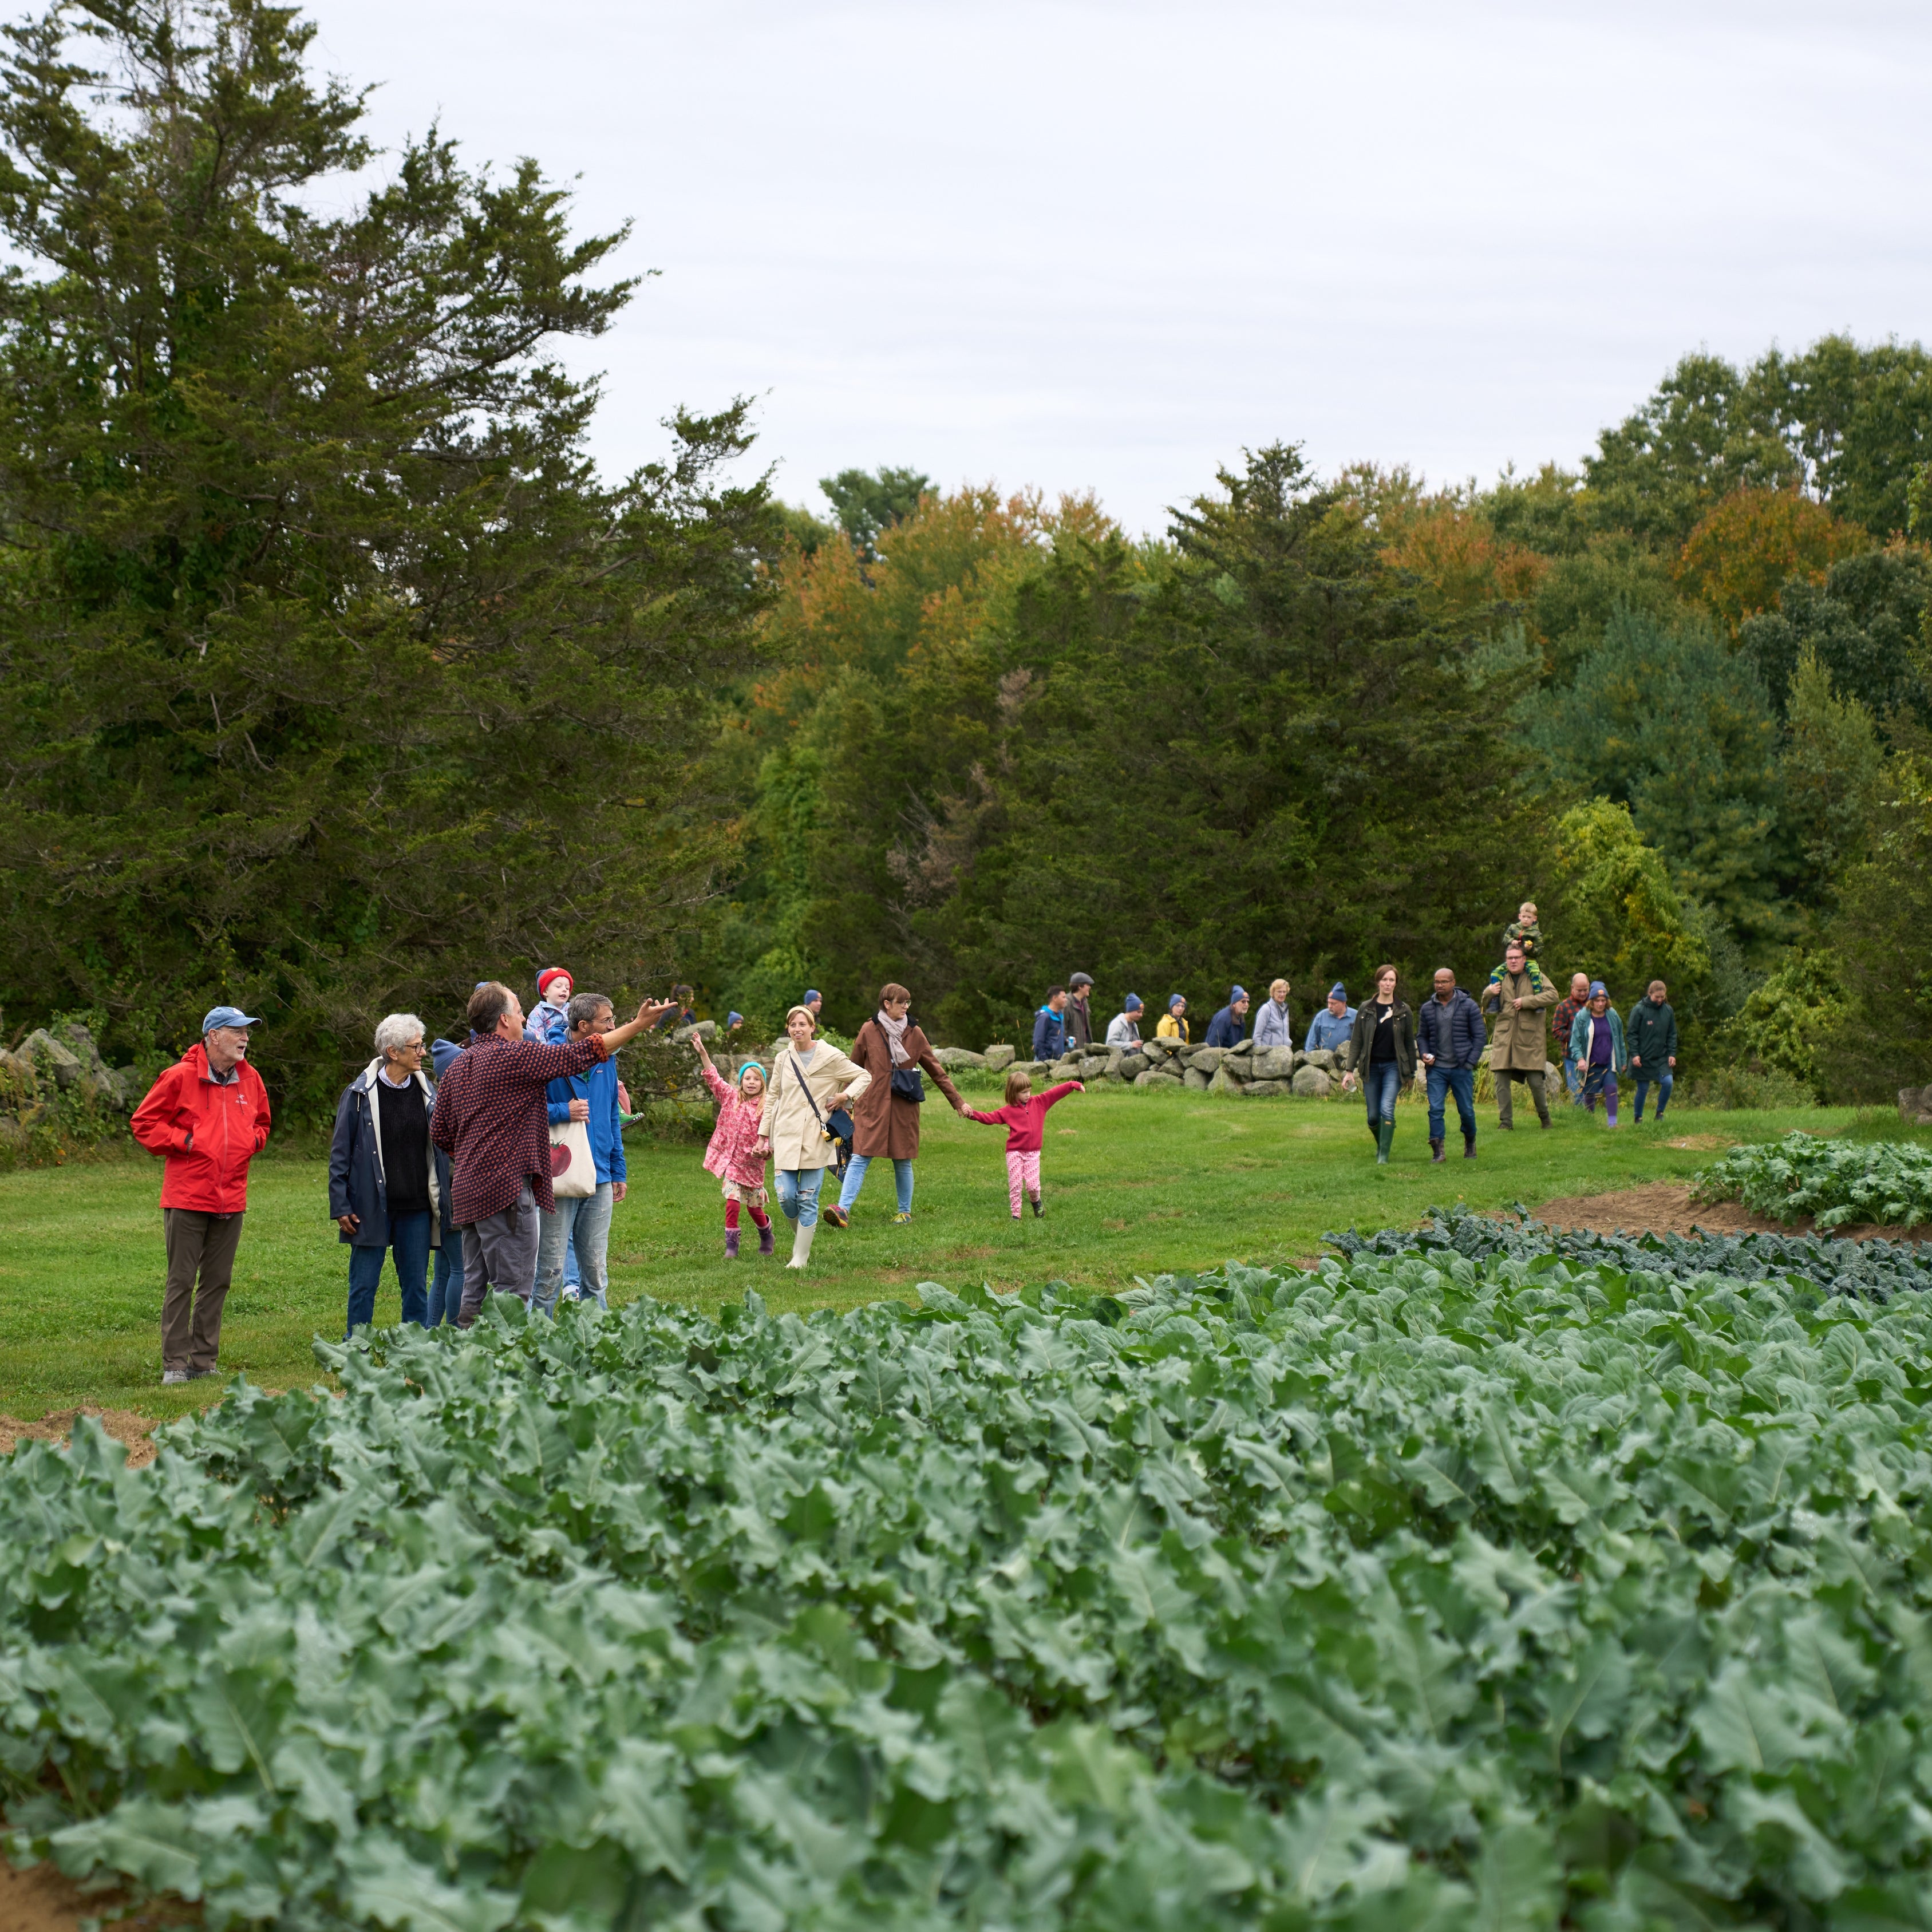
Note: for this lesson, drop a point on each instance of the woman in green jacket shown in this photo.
(1596, 1045)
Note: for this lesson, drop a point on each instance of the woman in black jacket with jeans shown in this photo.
(1381, 1052)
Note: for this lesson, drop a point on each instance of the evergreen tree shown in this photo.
(336, 678)
(1673, 725)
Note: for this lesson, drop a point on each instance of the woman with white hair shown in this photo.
(382, 1188)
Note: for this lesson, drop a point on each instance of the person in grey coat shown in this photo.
(1274, 1024)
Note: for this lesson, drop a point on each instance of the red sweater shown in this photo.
(1026, 1124)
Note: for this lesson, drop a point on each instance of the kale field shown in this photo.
(1428, 1588)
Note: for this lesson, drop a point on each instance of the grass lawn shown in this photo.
(1136, 1183)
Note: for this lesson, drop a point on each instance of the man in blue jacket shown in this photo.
(591, 1097)
(1049, 1026)
(1449, 1041)
(1230, 1025)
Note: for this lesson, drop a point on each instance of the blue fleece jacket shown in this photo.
(599, 1087)
(1049, 1034)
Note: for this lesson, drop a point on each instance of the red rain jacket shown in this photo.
(208, 1133)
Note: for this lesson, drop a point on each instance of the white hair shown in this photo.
(398, 1030)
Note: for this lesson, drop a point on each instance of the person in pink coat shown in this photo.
(733, 1155)
(1024, 1117)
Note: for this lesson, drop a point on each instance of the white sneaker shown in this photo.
(171, 1376)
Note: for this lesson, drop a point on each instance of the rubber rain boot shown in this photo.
(1435, 1150)
(766, 1244)
(1468, 1147)
(1384, 1135)
(801, 1245)
(731, 1244)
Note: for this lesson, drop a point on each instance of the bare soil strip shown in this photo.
(123, 1424)
(1665, 1207)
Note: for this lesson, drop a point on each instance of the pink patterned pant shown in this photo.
(1022, 1175)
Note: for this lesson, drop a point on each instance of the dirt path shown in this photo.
(1665, 1207)
(42, 1901)
(123, 1424)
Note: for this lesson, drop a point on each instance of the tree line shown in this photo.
(337, 675)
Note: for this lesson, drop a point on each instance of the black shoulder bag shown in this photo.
(837, 1128)
(906, 1084)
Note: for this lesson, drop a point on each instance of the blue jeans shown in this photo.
(798, 1194)
(446, 1290)
(1382, 1081)
(582, 1220)
(1461, 1082)
(1573, 1077)
(408, 1240)
(855, 1179)
(1665, 1081)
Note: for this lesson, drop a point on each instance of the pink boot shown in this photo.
(765, 1245)
(731, 1244)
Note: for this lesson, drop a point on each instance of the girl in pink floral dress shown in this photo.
(730, 1155)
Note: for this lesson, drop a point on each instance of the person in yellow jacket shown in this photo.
(809, 1082)
(1174, 1022)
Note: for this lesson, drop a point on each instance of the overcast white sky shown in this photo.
(1104, 247)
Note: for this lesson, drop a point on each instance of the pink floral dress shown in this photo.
(730, 1156)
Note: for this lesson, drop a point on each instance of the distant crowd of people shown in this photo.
(494, 1165)
(1384, 1043)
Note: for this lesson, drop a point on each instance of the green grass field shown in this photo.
(1136, 1183)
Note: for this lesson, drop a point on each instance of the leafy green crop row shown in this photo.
(1874, 1271)
(1410, 1592)
(1836, 1182)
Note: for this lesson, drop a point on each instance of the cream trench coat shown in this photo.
(787, 1121)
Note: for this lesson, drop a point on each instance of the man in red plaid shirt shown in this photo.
(1580, 998)
(492, 1116)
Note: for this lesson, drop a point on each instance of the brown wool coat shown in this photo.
(1521, 1040)
(883, 1126)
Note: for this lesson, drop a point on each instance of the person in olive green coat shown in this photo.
(1652, 1031)
(1520, 1048)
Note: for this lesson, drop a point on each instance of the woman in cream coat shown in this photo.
(790, 1131)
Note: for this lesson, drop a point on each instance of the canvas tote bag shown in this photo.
(573, 1172)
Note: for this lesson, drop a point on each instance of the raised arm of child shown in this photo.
(1053, 1094)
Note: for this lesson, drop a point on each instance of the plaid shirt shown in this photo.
(492, 1116)
(1562, 1018)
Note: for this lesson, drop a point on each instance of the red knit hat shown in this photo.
(549, 973)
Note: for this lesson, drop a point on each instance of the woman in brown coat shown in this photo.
(885, 1125)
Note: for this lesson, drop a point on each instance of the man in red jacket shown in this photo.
(207, 1117)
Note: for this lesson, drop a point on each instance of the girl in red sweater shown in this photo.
(1024, 1117)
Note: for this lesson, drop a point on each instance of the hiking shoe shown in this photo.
(170, 1377)
(1435, 1150)
(195, 1374)
(837, 1216)
(903, 1218)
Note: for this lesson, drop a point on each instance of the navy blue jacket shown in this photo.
(357, 1184)
(1049, 1034)
(1454, 1033)
(1226, 1028)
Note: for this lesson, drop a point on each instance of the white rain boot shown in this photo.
(801, 1245)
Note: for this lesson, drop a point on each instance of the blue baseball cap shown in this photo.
(229, 1016)
(1132, 1004)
